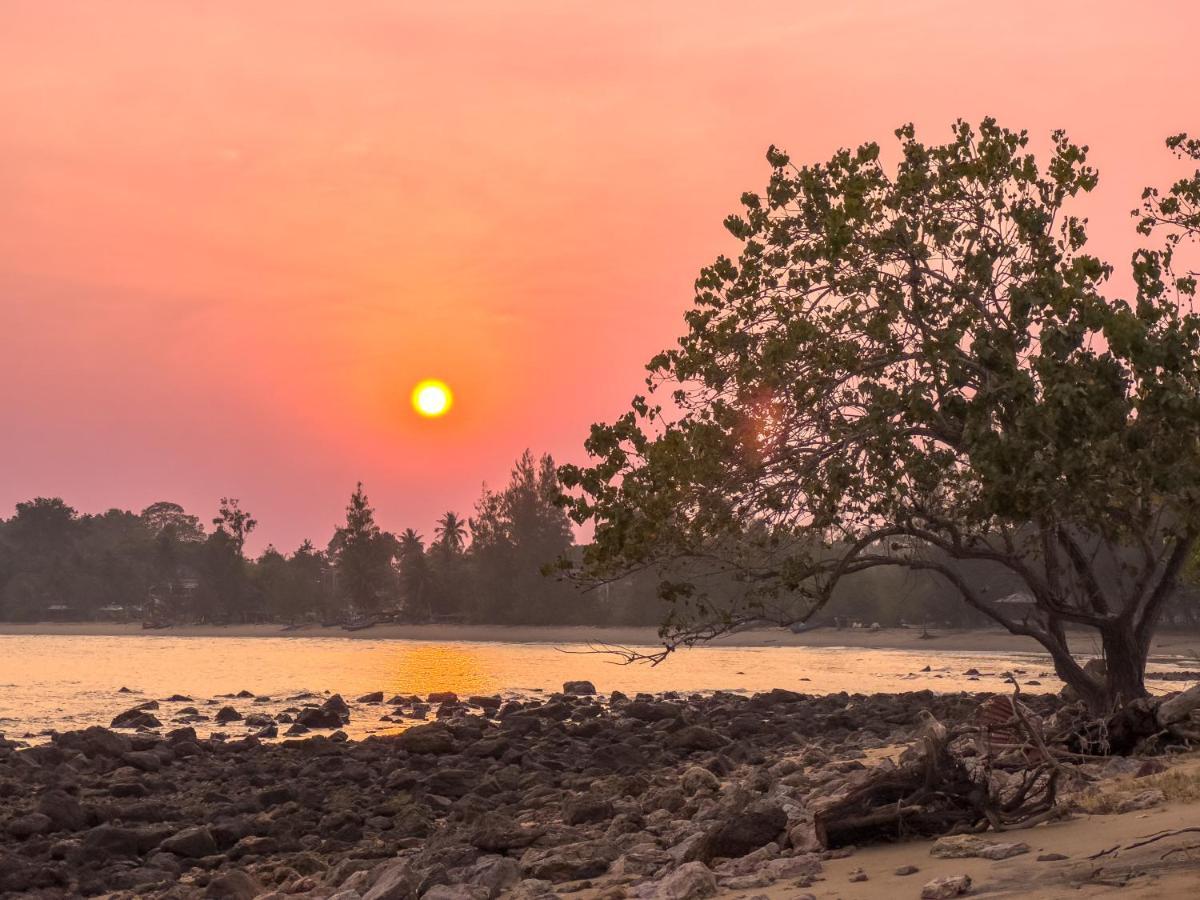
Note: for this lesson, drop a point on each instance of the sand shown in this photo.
(1138, 873)
(1172, 643)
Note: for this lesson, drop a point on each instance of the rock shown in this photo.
(803, 836)
(1141, 800)
(28, 825)
(63, 810)
(743, 832)
(144, 760)
(579, 688)
(95, 741)
(135, 718)
(495, 833)
(494, 873)
(442, 697)
(193, 843)
(234, 885)
(585, 809)
(105, 842)
(943, 888)
(651, 711)
(906, 870)
(317, 717)
(857, 875)
(456, 892)
(274, 796)
(1051, 857)
(696, 778)
(394, 881)
(178, 698)
(432, 738)
(690, 881)
(966, 846)
(452, 783)
(570, 862)
(697, 737)
(373, 697)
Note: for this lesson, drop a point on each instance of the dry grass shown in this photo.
(1179, 784)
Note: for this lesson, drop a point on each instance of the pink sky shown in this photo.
(233, 236)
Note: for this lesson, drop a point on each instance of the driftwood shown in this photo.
(935, 793)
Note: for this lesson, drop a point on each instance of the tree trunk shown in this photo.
(1125, 663)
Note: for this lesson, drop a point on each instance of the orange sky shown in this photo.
(234, 235)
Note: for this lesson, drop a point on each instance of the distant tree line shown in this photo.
(163, 565)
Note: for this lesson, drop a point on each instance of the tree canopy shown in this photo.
(921, 366)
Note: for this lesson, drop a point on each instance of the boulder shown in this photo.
(28, 825)
(373, 697)
(106, 842)
(95, 741)
(697, 737)
(135, 718)
(432, 738)
(967, 846)
(569, 862)
(696, 778)
(579, 688)
(234, 885)
(316, 717)
(63, 810)
(743, 832)
(689, 882)
(944, 888)
(193, 843)
(585, 809)
(495, 833)
(494, 873)
(442, 697)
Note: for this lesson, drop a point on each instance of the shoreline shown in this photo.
(1166, 643)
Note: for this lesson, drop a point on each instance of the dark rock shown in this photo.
(135, 718)
(233, 886)
(374, 697)
(570, 862)
(745, 831)
(431, 738)
(442, 697)
(579, 688)
(651, 711)
(105, 842)
(495, 833)
(28, 825)
(586, 809)
(697, 737)
(316, 717)
(227, 714)
(193, 843)
(63, 810)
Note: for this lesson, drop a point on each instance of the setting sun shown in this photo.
(432, 398)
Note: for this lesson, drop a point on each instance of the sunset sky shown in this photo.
(233, 236)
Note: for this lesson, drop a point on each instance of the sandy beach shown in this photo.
(1166, 643)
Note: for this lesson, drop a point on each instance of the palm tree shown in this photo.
(414, 573)
(451, 532)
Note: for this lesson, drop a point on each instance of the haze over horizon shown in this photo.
(233, 238)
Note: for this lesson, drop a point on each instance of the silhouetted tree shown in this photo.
(362, 556)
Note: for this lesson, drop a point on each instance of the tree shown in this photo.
(915, 368)
(515, 534)
(235, 522)
(415, 582)
(362, 556)
(169, 518)
(451, 534)
(449, 574)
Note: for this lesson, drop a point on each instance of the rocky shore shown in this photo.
(671, 797)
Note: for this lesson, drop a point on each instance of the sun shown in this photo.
(432, 398)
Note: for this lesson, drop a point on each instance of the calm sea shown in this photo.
(66, 682)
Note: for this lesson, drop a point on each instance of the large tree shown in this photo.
(920, 366)
(362, 555)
